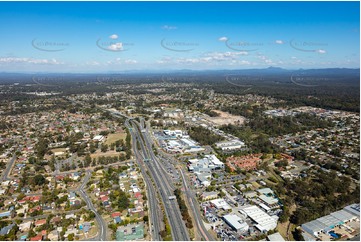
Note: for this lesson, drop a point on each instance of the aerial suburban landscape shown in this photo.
(112, 139)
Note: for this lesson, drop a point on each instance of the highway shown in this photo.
(155, 214)
(192, 201)
(161, 179)
(195, 210)
(8, 168)
(102, 235)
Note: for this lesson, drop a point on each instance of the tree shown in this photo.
(38, 180)
(104, 147)
(71, 237)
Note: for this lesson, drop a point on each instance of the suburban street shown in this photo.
(102, 235)
(9, 166)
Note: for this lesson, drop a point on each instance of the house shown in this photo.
(25, 226)
(5, 230)
(209, 195)
(104, 198)
(86, 227)
(116, 214)
(39, 237)
(5, 214)
(40, 222)
(32, 198)
(117, 220)
(72, 215)
(37, 208)
(53, 235)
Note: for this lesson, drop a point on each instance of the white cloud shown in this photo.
(321, 51)
(113, 36)
(92, 63)
(206, 58)
(167, 27)
(223, 39)
(129, 61)
(7, 60)
(280, 42)
(116, 46)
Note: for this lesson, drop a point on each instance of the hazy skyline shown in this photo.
(120, 36)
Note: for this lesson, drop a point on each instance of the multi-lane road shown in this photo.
(154, 210)
(162, 182)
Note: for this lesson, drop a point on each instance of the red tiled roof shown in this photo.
(40, 222)
(39, 237)
(116, 214)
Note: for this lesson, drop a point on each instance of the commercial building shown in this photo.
(220, 204)
(207, 164)
(275, 237)
(230, 145)
(236, 223)
(327, 223)
(264, 222)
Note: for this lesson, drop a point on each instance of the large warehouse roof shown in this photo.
(343, 215)
(261, 218)
(234, 221)
(315, 226)
(329, 221)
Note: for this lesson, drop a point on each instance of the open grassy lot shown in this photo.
(114, 137)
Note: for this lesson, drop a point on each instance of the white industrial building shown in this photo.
(275, 237)
(264, 222)
(175, 133)
(220, 203)
(329, 222)
(236, 222)
(209, 163)
(230, 145)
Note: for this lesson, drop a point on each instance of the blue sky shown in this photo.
(120, 36)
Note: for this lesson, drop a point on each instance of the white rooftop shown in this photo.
(236, 222)
(260, 217)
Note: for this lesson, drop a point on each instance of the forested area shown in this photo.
(316, 195)
(204, 136)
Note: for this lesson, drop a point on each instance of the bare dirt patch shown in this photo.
(226, 118)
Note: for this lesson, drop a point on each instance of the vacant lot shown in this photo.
(114, 137)
(226, 118)
(109, 153)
